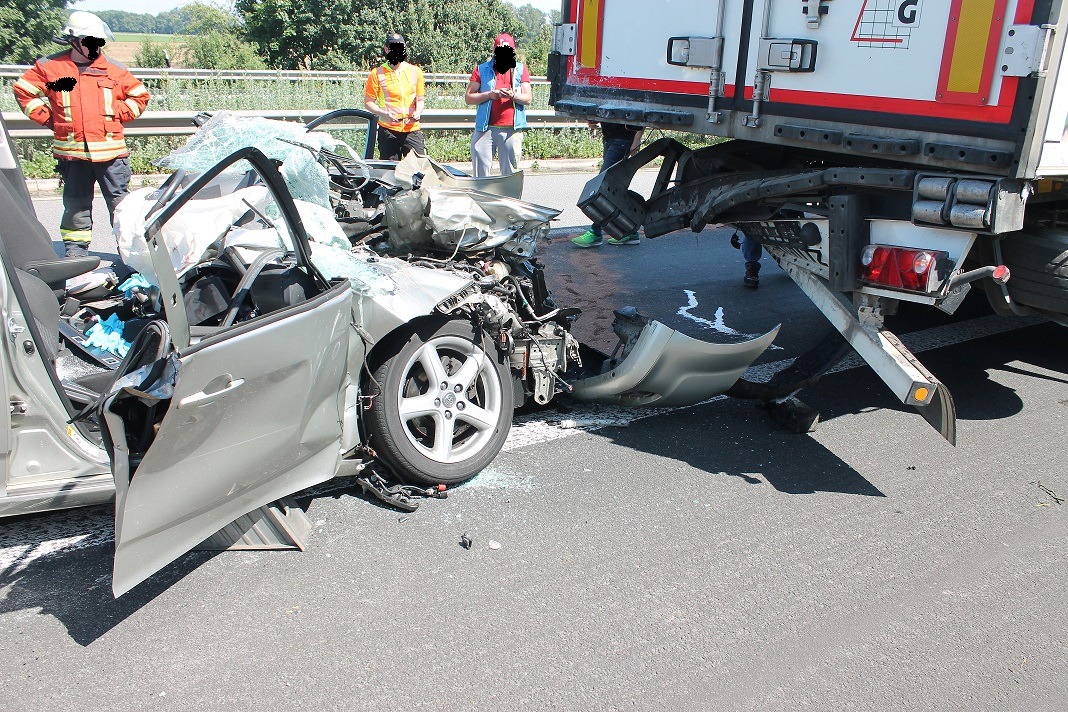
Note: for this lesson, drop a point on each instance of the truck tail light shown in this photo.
(903, 267)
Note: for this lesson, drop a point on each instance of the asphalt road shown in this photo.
(695, 559)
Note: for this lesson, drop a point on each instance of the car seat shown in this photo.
(29, 247)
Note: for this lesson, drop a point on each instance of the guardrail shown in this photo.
(14, 71)
(180, 123)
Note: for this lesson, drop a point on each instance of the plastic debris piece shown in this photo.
(136, 280)
(466, 541)
(107, 335)
(494, 544)
(100, 277)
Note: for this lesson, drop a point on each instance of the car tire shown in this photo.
(435, 435)
(1038, 265)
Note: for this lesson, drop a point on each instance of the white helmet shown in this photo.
(84, 24)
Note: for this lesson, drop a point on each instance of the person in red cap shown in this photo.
(500, 89)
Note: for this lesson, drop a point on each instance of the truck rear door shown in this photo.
(952, 84)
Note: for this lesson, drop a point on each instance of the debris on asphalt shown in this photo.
(493, 544)
(466, 541)
(1057, 499)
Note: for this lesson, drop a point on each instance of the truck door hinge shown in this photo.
(701, 52)
(18, 407)
(814, 11)
(784, 54)
(695, 52)
(1026, 50)
(761, 85)
(564, 39)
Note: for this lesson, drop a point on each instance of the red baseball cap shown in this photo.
(504, 40)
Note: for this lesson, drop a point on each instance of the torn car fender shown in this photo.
(665, 368)
(416, 292)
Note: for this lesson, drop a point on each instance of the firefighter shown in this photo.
(85, 98)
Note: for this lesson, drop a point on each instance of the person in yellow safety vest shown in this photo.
(85, 98)
(396, 95)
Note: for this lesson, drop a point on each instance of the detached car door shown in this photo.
(243, 407)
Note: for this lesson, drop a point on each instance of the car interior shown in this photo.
(234, 284)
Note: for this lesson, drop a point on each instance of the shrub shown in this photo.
(153, 54)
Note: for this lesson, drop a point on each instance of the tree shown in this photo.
(533, 20)
(454, 35)
(536, 38)
(122, 21)
(220, 50)
(202, 18)
(301, 34)
(444, 35)
(27, 27)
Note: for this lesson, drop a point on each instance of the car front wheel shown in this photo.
(442, 404)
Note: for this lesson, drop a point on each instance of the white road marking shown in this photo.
(25, 542)
(718, 324)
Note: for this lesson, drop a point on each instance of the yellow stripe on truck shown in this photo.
(589, 49)
(969, 49)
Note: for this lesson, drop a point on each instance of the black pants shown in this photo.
(79, 177)
(395, 145)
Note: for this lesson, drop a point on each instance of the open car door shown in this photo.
(224, 409)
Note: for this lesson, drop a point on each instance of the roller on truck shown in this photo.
(882, 151)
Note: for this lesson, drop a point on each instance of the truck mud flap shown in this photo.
(941, 413)
(662, 367)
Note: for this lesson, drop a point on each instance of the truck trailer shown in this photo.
(881, 151)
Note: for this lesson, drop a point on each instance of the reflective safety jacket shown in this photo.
(396, 89)
(488, 82)
(86, 109)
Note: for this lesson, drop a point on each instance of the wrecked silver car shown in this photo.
(290, 311)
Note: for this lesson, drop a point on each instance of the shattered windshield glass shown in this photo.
(283, 141)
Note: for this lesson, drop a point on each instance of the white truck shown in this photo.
(883, 151)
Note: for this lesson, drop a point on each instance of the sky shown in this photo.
(158, 6)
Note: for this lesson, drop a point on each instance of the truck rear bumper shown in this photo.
(899, 369)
